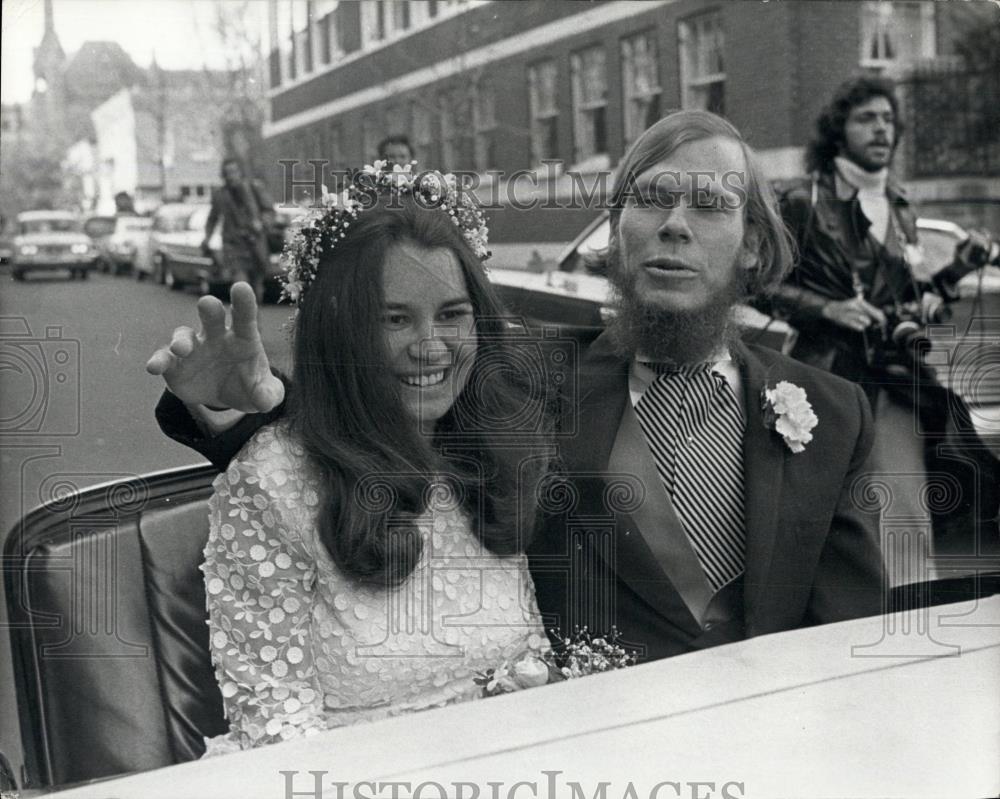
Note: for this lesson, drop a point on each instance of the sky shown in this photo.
(180, 32)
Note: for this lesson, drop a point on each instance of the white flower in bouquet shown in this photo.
(530, 672)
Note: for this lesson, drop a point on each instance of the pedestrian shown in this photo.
(853, 295)
(246, 212)
(395, 150)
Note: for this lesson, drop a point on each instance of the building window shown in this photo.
(484, 123)
(326, 34)
(374, 25)
(400, 15)
(370, 136)
(456, 129)
(308, 41)
(640, 83)
(703, 71)
(199, 191)
(590, 101)
(397, 121)
(334, 147)
(544, 110)
(300, 57)
(893, 33)
(423, 134)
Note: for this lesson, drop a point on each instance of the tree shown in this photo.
(243, 117)
(30, 177)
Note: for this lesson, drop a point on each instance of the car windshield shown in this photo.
(99, 226)
(57, 225)
(939, 250)
(133, 224)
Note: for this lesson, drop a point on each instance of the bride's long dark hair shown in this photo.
(378, 469)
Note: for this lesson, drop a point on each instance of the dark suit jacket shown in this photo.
(812, 551)
(812, 546)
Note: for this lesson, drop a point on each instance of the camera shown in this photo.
(894, 344)
(541, 363)
(41, 380)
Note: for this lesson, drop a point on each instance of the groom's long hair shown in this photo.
(766, 236)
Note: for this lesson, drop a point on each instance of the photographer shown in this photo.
(854, 298)
(246, 212)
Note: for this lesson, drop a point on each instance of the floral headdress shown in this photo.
(325, 225)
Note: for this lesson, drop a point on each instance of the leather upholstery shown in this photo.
(109, 635)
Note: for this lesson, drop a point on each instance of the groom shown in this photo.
(696, 516)
(695, 521)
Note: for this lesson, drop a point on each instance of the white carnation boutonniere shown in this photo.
(787, 411)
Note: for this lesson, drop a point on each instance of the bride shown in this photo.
(366, 551)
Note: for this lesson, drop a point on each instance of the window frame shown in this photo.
(630, 94)
(539, 118)
(584, 112)
(696, 83)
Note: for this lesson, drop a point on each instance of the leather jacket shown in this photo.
(836, 255)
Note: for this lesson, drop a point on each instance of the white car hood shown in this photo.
(52, 238)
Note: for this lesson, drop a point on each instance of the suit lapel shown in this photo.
(655, 525)
(764, 455)
(596, 461)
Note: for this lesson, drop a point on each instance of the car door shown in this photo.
(189, 262)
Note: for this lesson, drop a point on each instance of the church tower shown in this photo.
(48, 97)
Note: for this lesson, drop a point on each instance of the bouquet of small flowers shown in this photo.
(571, 657)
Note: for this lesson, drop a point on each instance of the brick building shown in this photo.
(506, 85)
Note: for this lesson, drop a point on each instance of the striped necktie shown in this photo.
(694, 426)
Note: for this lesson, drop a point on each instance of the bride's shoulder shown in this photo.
(273, 452)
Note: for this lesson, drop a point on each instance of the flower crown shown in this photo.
(325, 225)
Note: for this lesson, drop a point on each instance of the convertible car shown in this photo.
(111, 656)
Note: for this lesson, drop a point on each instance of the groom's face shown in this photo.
(681, 232)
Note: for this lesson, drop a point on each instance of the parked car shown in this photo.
(938, 238)
(99, 229)
(178, 260)
(572, 295)
(49, 240)
(128, 244)
(287, 221)
(6, 242)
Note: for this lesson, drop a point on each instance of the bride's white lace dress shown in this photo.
(300, 647)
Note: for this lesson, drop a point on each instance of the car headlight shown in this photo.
(29, 249)
(80, 249)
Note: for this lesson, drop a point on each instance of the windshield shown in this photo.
(49, 226)
(99, 226)
(939, 251)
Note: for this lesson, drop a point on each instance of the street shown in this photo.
(91, 420)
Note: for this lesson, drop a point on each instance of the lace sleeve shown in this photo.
(259, 581)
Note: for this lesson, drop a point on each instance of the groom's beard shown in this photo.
(668, 334)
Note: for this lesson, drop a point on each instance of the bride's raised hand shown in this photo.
(220, 367)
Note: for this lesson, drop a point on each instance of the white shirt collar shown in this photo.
(640, 375)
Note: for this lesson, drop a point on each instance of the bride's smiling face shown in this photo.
(428, 323)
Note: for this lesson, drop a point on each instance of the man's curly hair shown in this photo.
(829, 135)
